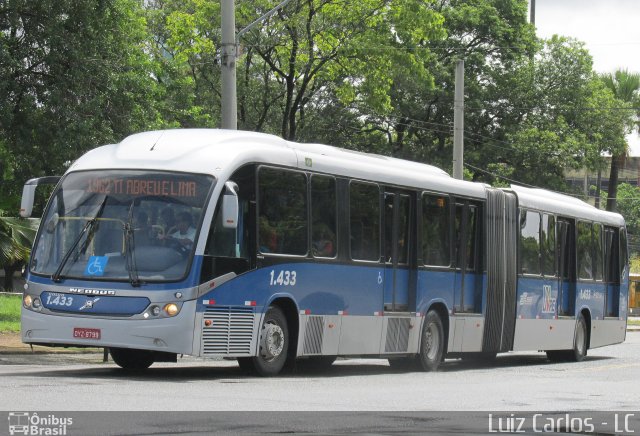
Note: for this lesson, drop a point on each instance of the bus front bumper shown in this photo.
(171, 335)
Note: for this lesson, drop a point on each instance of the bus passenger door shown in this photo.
(397, 226)
(566, 267)
(468, 282)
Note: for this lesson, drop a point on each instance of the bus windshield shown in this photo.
(123, 225)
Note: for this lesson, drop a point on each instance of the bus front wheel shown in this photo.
(432, 342)
(273, 343)
(129, 359)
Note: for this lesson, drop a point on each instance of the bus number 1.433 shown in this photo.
(284, 278)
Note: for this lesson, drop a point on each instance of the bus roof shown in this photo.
(564, 205)
(220, 152)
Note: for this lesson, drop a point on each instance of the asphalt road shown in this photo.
(608, 379)
(520, 383)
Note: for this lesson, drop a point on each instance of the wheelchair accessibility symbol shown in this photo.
(96, 266)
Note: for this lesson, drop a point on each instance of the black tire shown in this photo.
(246, 365)
(431, 342)
(273, 343)
(557, 356)
(315, 364)
(580, 341)
(580, 345)
(132, 360)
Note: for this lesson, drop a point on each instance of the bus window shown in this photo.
(323, 216)
(282, 211)
(598, 258)
(364, 221)
(584, 248)
(436, 246)
(548, 241)
(468, 214)
(529, 242)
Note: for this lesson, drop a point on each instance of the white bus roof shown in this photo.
(220, 152)
(565, 205)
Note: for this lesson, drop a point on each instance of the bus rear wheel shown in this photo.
(580, 345)
(432, 342)
(130, 359)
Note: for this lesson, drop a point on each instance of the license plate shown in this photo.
(84, 333)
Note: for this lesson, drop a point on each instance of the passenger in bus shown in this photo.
(324, 242)
(268, 236)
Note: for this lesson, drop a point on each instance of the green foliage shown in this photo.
(629, 206)
(16, 238)
(73, 75)
(10, 313)
(372, 75)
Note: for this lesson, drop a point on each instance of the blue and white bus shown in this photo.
(242, 245)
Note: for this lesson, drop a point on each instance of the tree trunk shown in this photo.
(617, 162)
(598, 186)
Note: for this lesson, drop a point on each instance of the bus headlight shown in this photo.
(171, 309)
(36, 303)
(27, 300)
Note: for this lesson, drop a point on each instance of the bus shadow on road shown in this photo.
(229, 372)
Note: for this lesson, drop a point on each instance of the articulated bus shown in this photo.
(245, 246)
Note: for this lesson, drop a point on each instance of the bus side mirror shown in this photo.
(230, 206)
(29, 193)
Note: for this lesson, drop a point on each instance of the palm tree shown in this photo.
(626, 87)
(16, 237)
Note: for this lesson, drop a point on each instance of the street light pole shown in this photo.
(228, 64)
(230, 42)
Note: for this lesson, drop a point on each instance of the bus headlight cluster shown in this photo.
(32, 302)
(168, 310)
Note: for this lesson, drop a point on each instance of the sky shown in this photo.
(609, 28)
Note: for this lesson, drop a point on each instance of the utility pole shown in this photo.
(532, 12)
(458, 123)
(228, 64)
(230, 43)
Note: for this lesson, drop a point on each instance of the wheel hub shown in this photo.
(272, 341)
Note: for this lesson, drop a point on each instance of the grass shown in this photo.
(633, 322)
(10, 313)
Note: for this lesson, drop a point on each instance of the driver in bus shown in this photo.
(186, 233)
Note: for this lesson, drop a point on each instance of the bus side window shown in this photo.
(282, 212)
(584, 251)
(323, 216)
(229, 250)
(436, 247)
(548, 243)
(364, 199)
(598, 256)
(529, 242)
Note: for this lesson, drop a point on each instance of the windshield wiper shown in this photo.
(88, 229)
(129, 243)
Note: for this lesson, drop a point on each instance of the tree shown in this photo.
(16, 237)
(626, 87)
(73, 75)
